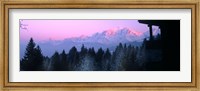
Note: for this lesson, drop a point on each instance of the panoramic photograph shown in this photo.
(99, 45)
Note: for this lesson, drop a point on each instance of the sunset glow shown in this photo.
(44, 30)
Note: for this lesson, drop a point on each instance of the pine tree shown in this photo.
(33, 58)
(91, 52)
(118, 58)
(64, 63)
(120, 46)
(83, 51)
(98, 59)
(106, 60)
(39, 59)
(56, 62)
(130, 58)
(73, 58)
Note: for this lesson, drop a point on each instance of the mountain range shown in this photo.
(106, 39)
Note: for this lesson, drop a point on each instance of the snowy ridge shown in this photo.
(110, 37)
(106, 39)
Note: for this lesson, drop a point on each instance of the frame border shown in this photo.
(6, 5)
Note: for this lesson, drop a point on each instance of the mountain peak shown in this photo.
(109, 32)
(111, 36)
(127, 31)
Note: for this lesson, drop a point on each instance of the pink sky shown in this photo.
(44, 30)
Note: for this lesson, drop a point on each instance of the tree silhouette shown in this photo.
(64, 63)
(33, 58)
(98, 59)
(125, 57)
(106, 60)
(91, 52)
(56, 64)
(83, 51)
(39, 59)
(73, 58)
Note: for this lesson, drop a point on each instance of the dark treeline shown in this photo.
(123, 58)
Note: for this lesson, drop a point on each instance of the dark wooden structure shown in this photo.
(170, 41)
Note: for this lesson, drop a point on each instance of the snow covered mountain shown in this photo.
(106, 39)
(110, 37)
